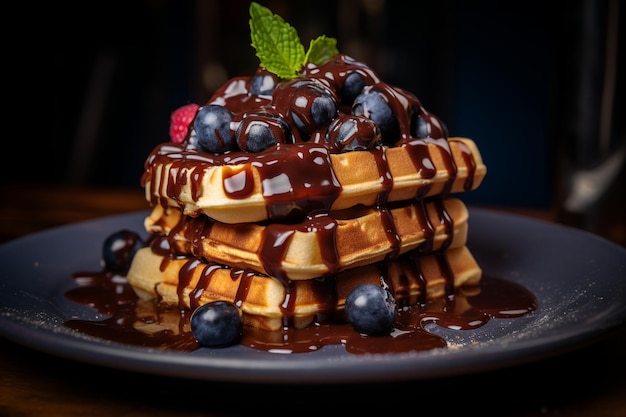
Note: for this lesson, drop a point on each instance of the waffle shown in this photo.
(320, 245)
(288, 188)
(269, 303)
(243, 187)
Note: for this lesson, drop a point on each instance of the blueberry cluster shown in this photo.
(341, 104)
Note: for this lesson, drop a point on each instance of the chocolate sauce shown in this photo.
(297, 175)
(154, 324)
(277, 236)
(299, 187)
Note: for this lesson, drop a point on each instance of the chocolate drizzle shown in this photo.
(154, 324)
(296, 174)
(299, 187)
(277, 236)
(244, 277)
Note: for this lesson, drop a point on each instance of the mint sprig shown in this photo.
(278, 45)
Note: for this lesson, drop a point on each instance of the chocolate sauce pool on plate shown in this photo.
(153, 324)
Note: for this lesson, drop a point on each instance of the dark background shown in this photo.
(537, 87)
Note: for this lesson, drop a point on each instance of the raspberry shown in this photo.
(180, 120)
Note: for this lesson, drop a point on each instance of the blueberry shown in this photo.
(352, 133)
(371, 309)
(212, 129)
(352, 87)
(323, 110)
(311, 104)
(119, 248)
(263, 83)
(422, 128)
(217, 324)
(258, 132)
(373, 105)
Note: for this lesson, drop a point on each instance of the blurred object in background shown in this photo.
(589, 125)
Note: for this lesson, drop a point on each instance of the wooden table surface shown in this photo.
(588, 381)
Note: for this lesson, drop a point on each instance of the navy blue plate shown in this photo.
(579, 280)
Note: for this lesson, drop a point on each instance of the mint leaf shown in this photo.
(276, 42)
(278, 45)
(321, 50)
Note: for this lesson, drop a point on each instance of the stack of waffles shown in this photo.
(286, 232)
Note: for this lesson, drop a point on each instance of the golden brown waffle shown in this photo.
(268, 303)
(317, 246)
(243, 188)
